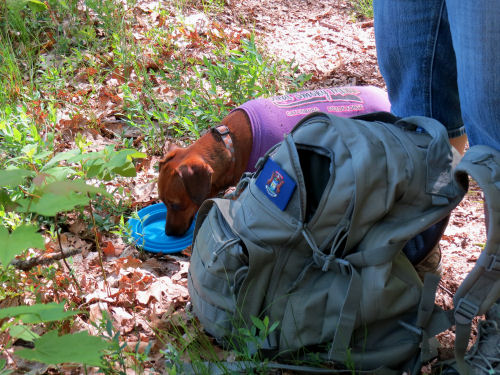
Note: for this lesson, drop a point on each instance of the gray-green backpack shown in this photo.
(314, 242)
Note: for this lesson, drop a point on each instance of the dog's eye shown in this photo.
(174, 206)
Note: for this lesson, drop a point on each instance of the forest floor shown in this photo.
(145, 294)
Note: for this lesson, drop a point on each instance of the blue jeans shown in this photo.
(441, 59)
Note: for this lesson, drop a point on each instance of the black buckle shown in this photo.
(465, 311)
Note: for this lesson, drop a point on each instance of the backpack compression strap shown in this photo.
(481, 287)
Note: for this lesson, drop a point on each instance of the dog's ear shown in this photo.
(197, 179)
(169, 146)
(169, 154)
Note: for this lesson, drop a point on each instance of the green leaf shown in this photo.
(61, 156)
(42, 155)
(77, 186)
(60, 173)
(73, 348)
(258, 323)
(118, 159)
(17, 135)
(134, 154)
(14, 177)
(36, 6)
(121, 162)
(20, 239)
(3, 371)
(63, 3)
(5, 200)
(38, 313)
(95, 168)
(23, 332)
(18, 5)
(274, 326)
(51, 204)
(127, 170)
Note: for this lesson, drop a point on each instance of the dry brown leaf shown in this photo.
(108, 248)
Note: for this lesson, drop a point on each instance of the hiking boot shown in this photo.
(494, 313)
(431, 263)
(484, 356)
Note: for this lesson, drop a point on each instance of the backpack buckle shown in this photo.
(465, 311)
(493, 264)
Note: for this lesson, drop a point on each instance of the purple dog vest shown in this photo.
(272, 118)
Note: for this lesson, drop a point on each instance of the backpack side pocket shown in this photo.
(219, 265)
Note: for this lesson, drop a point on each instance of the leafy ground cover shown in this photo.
(91, 91)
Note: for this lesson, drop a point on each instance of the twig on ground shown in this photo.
(26, 265)
(446, 290)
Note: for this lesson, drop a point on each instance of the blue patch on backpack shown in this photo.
(276, 184)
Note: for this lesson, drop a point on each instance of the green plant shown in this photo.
(51, 348)
(363, 8)
(21, 25)
(207, 6)
(189, 349)
(50, 192)
(250, 341)
(114, 361)
(17, 131)
(10, 72)
(43, 191)
(220, 84)
(212, 6)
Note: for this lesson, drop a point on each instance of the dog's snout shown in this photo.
(171, 233)
(171, 230)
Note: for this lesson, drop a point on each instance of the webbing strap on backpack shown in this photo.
(481, 287)
(347, 317)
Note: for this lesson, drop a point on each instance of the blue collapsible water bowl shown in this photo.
(148, 231)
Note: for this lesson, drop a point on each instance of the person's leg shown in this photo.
(475, 30)
(417, 61)
(459, 143)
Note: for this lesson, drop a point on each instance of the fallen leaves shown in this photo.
(138, 294)
(325, 40)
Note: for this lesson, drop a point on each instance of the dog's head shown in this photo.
(184, 182)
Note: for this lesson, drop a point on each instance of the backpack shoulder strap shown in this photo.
(481, 287)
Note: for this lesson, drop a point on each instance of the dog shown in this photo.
(216, 161)
(188, 176)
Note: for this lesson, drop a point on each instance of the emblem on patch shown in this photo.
(276, 184)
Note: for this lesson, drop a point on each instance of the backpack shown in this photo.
(314, 242)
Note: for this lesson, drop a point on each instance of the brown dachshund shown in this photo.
(217, 160)
(214, 162)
